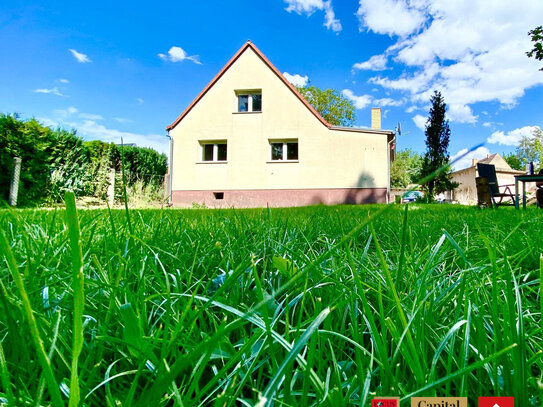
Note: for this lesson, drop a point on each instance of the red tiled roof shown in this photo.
(247, 45)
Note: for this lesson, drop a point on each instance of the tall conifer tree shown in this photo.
(437, 144)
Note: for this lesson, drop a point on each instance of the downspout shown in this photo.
(170, 170)
(392, 140)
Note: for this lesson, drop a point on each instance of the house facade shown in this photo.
(249, 139)
(466, 192)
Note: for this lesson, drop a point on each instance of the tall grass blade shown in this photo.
(79, 294)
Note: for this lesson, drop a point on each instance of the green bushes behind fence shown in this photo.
(54, 161)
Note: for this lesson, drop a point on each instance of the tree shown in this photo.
(436, 158)
(514, 161)
(537, 38)
(405, 169)
(531, 148)
(335, 108)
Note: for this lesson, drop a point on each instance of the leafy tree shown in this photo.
(514, 161)
(405, 169)
(335, 108)
(531, 148)
(437, 143)
(537, 38)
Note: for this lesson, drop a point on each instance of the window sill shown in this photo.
(282, 161)
(247, 112)
(211, 162)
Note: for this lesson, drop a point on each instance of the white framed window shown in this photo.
(249, 101)
(214, 151)
(284, 150)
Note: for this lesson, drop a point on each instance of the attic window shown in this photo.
(249, 101)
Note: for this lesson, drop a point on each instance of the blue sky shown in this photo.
(116, 69)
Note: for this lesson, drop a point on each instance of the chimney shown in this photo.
(474, 162)
(376, 118)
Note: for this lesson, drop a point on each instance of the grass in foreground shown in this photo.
(301, 306)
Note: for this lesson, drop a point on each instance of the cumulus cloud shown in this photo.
(360, 102)
(393, 17)
(178, 54)
(420, 121)
(467, 159)
(471, 51)
(81, 58)
(375, 63)
(513, 137)
(296, 80)
(52, 91)
(310, 6)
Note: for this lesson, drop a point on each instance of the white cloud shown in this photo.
(310, 6)
(81, 58)
(393, 17)
(388, 102)
(411, 109)
(420, 121)
(178, 54)
(90, 116)
(296, 80)
(140, 101)
(71, 112)
(375, 63)
(467, 160)
(461, 113)
(360, 102)
(487, 124)
(122, 120)
(52, 91)
(513, 137)
(62, 80)
(471, 51)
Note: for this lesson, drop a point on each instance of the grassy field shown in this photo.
(291, 307)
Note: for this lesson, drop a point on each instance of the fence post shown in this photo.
(111, 186)
(166, 184)
(14, 189)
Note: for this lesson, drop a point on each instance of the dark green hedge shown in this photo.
(54, 161)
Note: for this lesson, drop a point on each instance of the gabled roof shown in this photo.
(244, 48)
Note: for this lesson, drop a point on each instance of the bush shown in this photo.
(55, 161)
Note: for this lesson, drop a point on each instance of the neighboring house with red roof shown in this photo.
(249, 139)
(466, 193)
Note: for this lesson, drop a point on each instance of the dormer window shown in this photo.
(249, 101)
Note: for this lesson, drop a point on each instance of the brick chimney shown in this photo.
(376, 118)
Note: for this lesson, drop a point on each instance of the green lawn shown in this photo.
(300, 306)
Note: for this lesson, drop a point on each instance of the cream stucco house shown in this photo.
(466, 192)
(249, 139)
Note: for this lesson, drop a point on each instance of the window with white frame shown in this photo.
(284, 150)
(215, 151)
(249, 101)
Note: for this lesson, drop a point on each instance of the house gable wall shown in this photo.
(328, 158)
